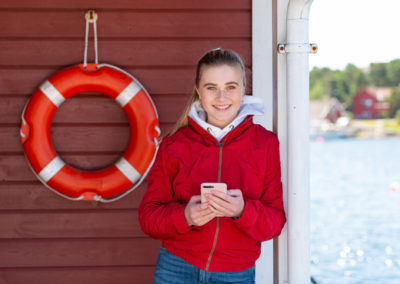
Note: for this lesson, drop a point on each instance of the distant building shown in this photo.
(326, 110)
(328, 117)
(369, 103)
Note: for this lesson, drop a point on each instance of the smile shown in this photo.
(224, 107)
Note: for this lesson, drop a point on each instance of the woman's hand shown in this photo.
(230, 204)
(196, 213)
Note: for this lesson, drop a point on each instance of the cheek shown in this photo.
(238, 100)
(204, 100)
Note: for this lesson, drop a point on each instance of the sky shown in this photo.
(354, 31)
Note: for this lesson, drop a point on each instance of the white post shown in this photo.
(297, 48)
(263, 86)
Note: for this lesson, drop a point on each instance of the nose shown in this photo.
(221, 94)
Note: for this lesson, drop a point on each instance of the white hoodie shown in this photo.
(250, 106)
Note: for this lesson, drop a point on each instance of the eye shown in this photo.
(231, 87)
(211, 88)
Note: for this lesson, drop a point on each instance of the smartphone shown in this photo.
(207, 187)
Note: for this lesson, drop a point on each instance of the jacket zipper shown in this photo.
(217, 229)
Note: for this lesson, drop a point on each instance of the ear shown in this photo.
(198, 93)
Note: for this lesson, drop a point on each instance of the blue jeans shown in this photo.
(174, 270)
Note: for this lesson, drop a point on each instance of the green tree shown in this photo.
(356, 80)
(319, 83)
(393, 72)
(378, 74)
(339, 87)
(394, 101)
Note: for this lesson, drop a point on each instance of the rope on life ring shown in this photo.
(108, 184)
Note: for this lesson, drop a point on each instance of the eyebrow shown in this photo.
(227, 83)
(232, 82)
(209, 84)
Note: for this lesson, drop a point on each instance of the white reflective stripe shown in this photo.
(126, 95)
(24, 123)
(52, 93)
(51, 169)
(128, 170)
(22, 134)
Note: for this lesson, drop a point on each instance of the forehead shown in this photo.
(221, 74)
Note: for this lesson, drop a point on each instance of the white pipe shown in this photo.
(298, 143)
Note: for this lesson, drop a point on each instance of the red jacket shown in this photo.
(249, 161)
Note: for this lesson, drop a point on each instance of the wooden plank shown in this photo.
(72, 224)
(76, 139)
(125, 4)
(78, 252)
(159, 81)
(82, 138)
(85, 275)
(132, 53)
(90, 139)
(98, 109)
(126, 24)
(16, 168)
(35, 196)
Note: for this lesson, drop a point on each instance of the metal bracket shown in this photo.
(297, 48)
(91, 16)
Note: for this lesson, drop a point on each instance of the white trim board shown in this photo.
(262, 85)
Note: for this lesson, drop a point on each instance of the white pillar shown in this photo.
(297, 87)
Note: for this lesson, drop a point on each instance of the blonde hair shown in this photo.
(215, 57)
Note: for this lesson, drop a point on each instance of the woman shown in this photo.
(215, 140)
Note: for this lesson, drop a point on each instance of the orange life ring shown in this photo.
(117, 179)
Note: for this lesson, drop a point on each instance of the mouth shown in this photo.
(222, 107)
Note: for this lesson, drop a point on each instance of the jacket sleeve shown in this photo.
(159, 215)
(264, 219)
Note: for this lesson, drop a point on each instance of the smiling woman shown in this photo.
(217, 240)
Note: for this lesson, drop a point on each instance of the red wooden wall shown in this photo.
(43, 237)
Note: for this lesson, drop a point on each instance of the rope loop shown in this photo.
(91, 17)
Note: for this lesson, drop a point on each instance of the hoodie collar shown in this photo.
(250, 106)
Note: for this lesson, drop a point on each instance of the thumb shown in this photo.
(235, 192)
(195, 199)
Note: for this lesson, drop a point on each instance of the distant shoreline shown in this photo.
(361, 129)
(374, 128)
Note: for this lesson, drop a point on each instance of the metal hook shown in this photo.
(91, 16)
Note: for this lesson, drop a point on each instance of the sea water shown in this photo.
(355, 211)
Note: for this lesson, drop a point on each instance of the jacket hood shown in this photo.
(250, 106)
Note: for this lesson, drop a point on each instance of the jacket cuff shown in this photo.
(248, 217)
(181, 223)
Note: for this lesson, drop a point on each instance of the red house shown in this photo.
(369, 103)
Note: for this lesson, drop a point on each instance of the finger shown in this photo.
(219, 194)
(204, 206)
(216, 212)
(195, 199)
(210, 215)
(205, 218)
(221, 198)
(220, 207)
(201, 209)
(235, 192)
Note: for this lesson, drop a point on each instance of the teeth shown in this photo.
(222, 107)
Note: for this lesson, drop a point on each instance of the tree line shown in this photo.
(345, 84)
